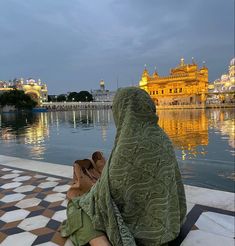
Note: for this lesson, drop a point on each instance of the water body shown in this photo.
(203, 140)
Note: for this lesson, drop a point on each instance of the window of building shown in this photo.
(150, 93)
(175, 90)
(180, 90)
(162, 91)
(156, 92)
(170, 90)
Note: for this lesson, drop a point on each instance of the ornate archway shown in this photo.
(34, 95)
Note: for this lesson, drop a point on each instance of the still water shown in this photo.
(203, 140)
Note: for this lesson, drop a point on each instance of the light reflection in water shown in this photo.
(188, 130)
(28, 130)
(202, 138)
(225, 124)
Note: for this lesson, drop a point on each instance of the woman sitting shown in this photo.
(139, 198)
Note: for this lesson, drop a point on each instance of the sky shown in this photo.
(73, 44)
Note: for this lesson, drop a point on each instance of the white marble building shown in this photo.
(223, 89)
(102, 95)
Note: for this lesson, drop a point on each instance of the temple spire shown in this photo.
(145, 72)
(193, 61)
(155, 72)
(182, 62)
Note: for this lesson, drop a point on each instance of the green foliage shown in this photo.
(61, 98)
(85, 96)
(18, 99)
(82, 96)
(49, 98)
(73, 96)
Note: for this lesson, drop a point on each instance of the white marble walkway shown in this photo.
(212, 228)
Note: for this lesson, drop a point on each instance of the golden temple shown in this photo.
(187, 84)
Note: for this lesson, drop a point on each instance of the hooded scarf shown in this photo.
(139, 199)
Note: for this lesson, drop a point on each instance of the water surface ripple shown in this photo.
(203, 140)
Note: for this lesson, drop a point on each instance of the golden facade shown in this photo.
(35, 89)
(186, 84)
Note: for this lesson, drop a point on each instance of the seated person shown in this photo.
(139, 200)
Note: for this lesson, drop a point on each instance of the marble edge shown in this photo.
(37, 166)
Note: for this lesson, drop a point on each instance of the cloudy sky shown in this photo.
(73, 44)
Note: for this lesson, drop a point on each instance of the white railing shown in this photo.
(76, 105)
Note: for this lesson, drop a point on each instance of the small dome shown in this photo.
(145, 73)
(232, 62)
(155, 74)
(224, 77)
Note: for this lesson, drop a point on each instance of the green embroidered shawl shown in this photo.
(139, 199)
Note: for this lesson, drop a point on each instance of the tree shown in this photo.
(82, 96)
(85, 96)
(73, 96)
(18, 99)
(61, 98)
(49, 98)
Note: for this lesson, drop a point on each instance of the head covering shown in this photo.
(139, 199)
(132, 107)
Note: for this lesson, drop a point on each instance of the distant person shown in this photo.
(139, 198)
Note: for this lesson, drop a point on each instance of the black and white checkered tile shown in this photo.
(33, 205)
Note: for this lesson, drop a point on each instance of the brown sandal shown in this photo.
(85, 174)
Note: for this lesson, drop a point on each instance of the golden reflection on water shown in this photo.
(37, 132)
(188, 129)
(35, 136)
(32, 132)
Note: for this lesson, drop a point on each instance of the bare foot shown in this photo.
(100, 241)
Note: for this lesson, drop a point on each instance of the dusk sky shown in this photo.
(72, 44)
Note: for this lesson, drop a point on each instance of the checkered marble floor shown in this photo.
(33, 205)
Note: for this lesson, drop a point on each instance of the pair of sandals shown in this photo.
(85, 174)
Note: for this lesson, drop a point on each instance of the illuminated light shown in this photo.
(187, 131)
(223, 89)
(74, 119)
(32, 88)
(185, 85)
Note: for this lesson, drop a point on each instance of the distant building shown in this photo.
(223, 89)
(35, 89)
(186, 84)
(102, 95)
